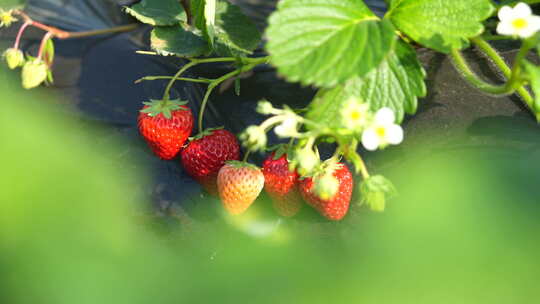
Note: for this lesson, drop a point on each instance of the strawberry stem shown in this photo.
(246, 156)
(42, 45)
(60, 34)
(175, 77)
(19, 35)
(251, 63)
(199, 80)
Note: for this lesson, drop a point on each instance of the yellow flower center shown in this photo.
(6, 18)
(356, 115)
(381, 131)
(519, 23)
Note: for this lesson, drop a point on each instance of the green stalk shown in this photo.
(501, 64)
(246, 156)
(253, 62)
(198, 80)
(356, 159)
(175, 77)
(461, 64)
(193, 62)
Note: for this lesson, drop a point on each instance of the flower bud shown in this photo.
(307, 160)
(325, 186)
(34, 72)
(265, 107)
(288, 128)
(14, 58)
(254, 137)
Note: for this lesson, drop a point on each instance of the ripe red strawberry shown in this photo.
(165, 125)
(337, 206)
(281, 184)
(207, 153)
(239, 184)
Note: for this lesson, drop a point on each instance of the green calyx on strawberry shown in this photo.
(279, 150)
(241, 164)
(204, 133)
(375, 190)
(165, 107)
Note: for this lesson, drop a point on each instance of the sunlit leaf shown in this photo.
(440, 24)
(179, 41)
(325, 42)
(396, 83)
(160, 12)
(235, 33)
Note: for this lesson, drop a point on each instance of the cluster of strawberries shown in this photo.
(212, 158)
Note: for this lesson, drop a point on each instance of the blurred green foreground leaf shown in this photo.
(464, 230)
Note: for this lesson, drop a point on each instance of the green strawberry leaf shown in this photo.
(179, 41)
(325, 42)
(396, 83)
(533, 73)
(237, 86)
(440, 24)
(48, 52)
(235, 33)
(231, 33)
(210, 20)
(49, 80)
(278, 150)
(197, 13)
(158, 12)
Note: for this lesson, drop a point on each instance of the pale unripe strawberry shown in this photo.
(239, 184)
(34, 72)
(14, 58)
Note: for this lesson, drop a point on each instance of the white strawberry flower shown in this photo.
(383, 131)
(518, 21)
(355, 114)
(288, 127)
(265, 107)
(6, 18)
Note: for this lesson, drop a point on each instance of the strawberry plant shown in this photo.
(365, 69)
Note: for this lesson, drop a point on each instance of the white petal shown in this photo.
(370, 140)
(534, 22)
(505, 13)
(394, 134)
(526, 32)
(521, 10)
(385, 116)
(505, 28)
(280, 131)
(533, 25)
